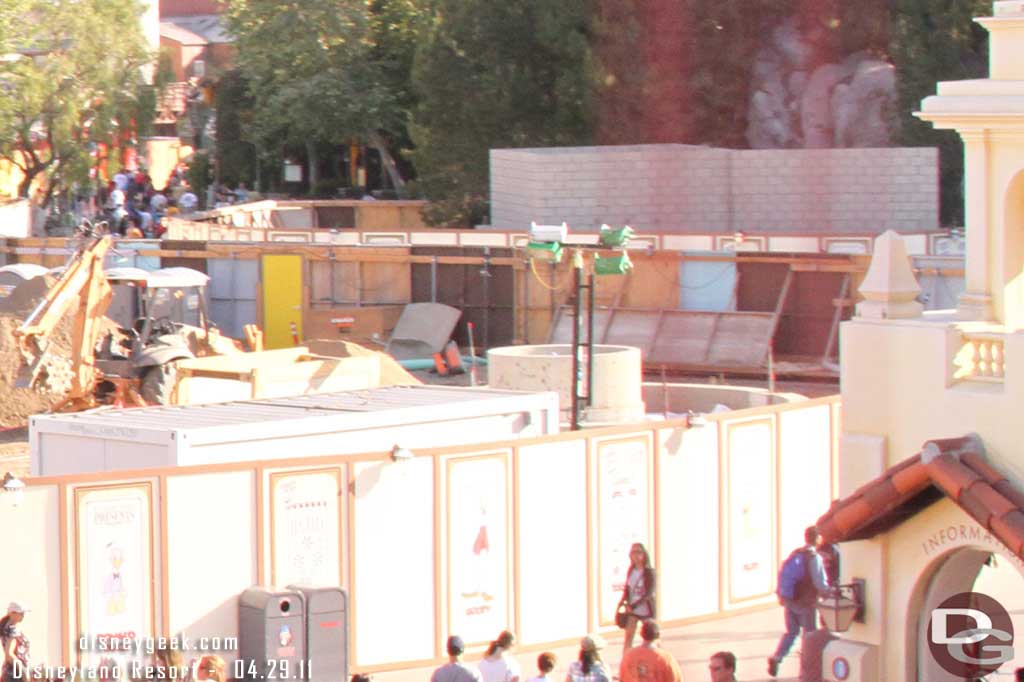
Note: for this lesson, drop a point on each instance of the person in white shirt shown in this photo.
(497, 665)
(158, 202)
(188, 202)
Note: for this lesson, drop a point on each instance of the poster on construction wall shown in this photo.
(306, 544)
(478, 539)
(114, 556)
(623, 514)
(750, 565)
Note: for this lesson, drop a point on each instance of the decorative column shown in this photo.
(976, 301)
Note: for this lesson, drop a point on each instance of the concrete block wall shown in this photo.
(688, 189)
(836, 190)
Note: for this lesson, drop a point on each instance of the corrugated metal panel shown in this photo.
(232, 294)
(189, 417)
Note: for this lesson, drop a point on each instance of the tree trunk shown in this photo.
(386, 160)
(314, 165)
(25, 185)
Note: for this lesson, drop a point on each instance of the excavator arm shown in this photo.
(83, 287)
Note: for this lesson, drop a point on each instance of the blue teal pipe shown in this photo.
(415, 364)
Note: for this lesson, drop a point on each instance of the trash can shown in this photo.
(271, 635)
(326, 632)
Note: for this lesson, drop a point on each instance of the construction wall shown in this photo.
(673, 189)
(737, 491)
(272, 215)
(355, 290)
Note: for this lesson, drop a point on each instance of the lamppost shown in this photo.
(547, 242)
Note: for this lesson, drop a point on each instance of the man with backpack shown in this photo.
(801, 580)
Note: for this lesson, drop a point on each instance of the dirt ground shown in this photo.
(15, 454)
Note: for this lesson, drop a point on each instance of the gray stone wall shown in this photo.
(673, 189)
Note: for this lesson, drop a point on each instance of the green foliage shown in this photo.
(79, 81)
(727, 36)
(198, 174)
(396, 26)
(236, 154)
(309, 71)
(933, 41)
(326, 188)
(490, 75)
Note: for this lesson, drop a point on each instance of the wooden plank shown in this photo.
(779, 307)
(711, 337)
(837, 316)
(554, 329)
(653, 284)
(623, 285)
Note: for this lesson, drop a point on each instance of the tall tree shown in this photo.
(396, 27)
(644, 49)
(496, 74)
(310, 72)
(932, 41)
(72, 78)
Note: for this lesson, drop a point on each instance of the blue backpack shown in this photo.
(795, 579)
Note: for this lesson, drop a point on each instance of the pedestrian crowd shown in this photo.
(133, 207)
(804, 576)
(635, 614)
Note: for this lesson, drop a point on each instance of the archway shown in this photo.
(965, 569)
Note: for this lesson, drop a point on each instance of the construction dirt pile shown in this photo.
(17, 404)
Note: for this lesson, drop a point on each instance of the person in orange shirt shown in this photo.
(649, 662)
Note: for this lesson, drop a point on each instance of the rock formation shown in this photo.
(795, 103)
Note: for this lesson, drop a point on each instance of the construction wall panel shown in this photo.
(400, 536)
(682, 339)
(212, 607)
(549, 572)
(706, 285)
(658, 482)
(484, 292)
(808, 316)
(32, 572)
(803, 471)
(688, 487)
(232, 293)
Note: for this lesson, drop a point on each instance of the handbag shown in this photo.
(621, 616)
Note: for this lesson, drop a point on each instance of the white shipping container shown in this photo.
(371, 420)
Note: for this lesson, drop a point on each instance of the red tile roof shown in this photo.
(955, 468)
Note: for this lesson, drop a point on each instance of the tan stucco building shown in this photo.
(925, 512)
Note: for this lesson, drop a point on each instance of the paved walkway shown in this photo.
(751, 637)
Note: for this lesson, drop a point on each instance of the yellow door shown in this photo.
(282, 300)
